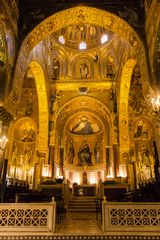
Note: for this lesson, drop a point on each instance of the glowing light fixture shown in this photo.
(61, 39)
(82, 45)
(104, 38)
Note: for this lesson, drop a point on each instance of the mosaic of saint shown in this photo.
(143, 140)
(142, 130)
(137, 102)
(23, 146)
(84, 154)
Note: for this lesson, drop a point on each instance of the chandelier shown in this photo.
(3, 141)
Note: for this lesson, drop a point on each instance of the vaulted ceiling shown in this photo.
(32, 12)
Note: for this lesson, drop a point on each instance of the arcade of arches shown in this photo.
(68, 111)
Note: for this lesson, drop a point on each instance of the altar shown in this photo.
(84, 190)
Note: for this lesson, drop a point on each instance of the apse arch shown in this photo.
(82, 103)
(42, 144)
(123, 109)
(85, 125)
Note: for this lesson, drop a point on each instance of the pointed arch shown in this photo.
(42, 105)
(123, 109)
(83, 103)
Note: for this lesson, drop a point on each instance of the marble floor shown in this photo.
(80, 223)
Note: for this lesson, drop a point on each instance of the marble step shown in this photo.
(82, 204)
(82, 207)
(81, 210)
(82, 199)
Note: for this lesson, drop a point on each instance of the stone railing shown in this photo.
(135, 218)
(30, 218)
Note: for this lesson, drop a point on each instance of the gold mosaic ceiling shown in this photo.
(74, 34)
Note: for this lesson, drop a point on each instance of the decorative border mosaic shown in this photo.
(78, 237)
